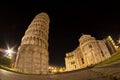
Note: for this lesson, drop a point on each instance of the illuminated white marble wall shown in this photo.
(32, 56)
(74, 60)
(89, 52)
(105, 53)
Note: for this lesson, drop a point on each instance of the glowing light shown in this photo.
(119, 41)
(49, 67)
(4, 51)
(9, 51)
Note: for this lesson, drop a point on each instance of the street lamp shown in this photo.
(9, 52)
(11, 55)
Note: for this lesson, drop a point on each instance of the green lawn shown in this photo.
(110, 60)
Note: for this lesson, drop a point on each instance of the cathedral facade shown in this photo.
(89, 52)
(32, 55)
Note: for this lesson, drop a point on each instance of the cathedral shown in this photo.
(89, 52)
(32, 55)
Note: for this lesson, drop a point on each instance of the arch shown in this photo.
(27, 40)
(40, 42)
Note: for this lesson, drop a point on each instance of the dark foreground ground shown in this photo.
(106, 72)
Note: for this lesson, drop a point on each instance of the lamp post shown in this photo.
(11, 55)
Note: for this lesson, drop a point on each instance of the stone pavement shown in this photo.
(81, 75)
(6, 75)
(75, 75)
(107, 72)
(110, 70)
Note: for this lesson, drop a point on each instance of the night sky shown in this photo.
(68, 21)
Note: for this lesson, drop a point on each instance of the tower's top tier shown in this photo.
(43, 15)
(38, 30)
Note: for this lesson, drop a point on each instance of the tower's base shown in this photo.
(32, 59)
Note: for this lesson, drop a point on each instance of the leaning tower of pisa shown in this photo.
(32, 56)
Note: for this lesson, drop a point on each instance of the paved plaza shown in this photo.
(107, 72)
